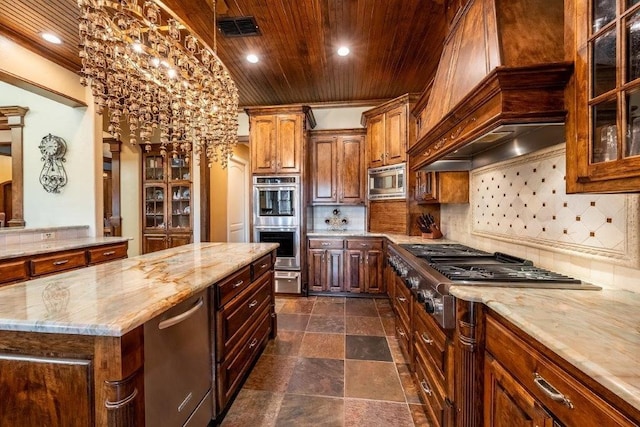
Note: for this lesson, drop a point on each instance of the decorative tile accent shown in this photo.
(535, 210)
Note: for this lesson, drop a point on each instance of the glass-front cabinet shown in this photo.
(603, 126)
(167, 201)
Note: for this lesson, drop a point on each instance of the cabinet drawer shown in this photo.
(431, 396)
(232, 286)
(107, 253)
(402, 301)
(240, 314)
(260, 266)
(55, 263)
(13, 271)
(429, 338)
(364, 244)
(535, 372)
(231, 371)
(326, 243)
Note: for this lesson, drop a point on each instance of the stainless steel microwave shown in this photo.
(388, 182)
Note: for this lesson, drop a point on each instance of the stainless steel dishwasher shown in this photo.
(177, 365)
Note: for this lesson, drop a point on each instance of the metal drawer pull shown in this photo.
(263, 265)
(120, 403)
(364, 244)
(253, 343)
(238, 283)
(181, 317)
(425, 387)
(109, 253)
(253, 303)
(401, 299)
(551, 391)
(400, 332)
(325, 244)
(64, 261)
(426, 339)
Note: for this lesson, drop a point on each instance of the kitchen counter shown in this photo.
(112, 299)
(598, 332)
(394, 238)
(45, 246)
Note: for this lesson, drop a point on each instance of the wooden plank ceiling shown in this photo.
(395, 44)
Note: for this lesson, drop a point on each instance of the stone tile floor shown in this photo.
(335, 362)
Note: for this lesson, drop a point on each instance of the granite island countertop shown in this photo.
(17, 250)
(113, 298)
(598, 332)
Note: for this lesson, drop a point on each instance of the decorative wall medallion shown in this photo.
(53, 176)
(524, 199)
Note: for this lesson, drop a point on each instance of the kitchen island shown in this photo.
(72, 344)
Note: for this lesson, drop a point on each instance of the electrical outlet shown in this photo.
(48, 236)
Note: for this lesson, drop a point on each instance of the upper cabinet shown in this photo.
(276, 138)
(603, 128)
(389, 131)
(337, 167)
(502, 63)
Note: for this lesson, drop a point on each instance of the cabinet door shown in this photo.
(376, 136)
(317, 269)
(396, 135)
(335, 270)
(263, 144)
(180, 206)
(175, 240)
(351, 173)
(603, 126)
(354, 271)
(153, 243)
(373, 272)
(324, 176)
(507, 403)
(426, 187)
(40, 391)
(155, 196)
(288, 143)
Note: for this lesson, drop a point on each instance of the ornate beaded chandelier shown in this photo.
(144, 65)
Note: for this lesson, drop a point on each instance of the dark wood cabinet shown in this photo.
(389, 131)
(603, 124)
(28, 267)
(277, 140)
(167, 217)
(326, 265)
(507, 403)
(337, 167)
(442, 187)
(522, 369)
(244, 319)
(363, 266)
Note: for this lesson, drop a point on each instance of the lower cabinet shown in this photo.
(244, 320)
(519, 381)
(158, 242)
(349, 265)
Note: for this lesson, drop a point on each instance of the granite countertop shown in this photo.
(113, 298)
(598, 332)
(394, 238)
(46, 246)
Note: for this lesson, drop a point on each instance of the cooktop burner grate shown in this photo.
(442, 249)
(501, 273)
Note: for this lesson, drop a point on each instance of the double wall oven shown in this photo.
(276, 219)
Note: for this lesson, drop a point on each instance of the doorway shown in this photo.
(237, 200)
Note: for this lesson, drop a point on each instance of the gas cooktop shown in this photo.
(501, 273)
(443, 249)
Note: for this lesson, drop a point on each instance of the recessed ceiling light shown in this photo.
(343, 51)
(252, 58)
(51, 38)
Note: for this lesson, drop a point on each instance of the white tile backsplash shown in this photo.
(520, 207)
(355, 215)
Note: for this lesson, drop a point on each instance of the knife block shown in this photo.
(435, 234)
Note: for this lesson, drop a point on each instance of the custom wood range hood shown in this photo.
(502, 64)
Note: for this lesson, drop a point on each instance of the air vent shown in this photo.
(243, 26)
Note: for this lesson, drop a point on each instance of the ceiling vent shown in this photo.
(243, 26)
